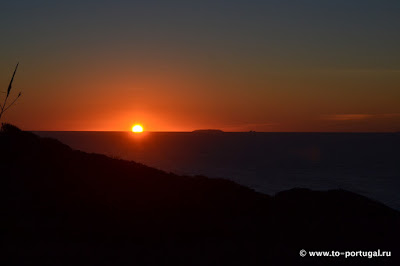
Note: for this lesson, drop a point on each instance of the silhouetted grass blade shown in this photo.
(12, 79)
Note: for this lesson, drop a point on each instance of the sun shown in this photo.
(137, 129)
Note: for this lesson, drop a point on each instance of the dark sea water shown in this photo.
(365, 163)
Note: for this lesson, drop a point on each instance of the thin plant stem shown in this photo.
(12, 102)
(3, 107)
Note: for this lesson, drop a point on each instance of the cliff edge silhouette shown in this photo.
(67, 207)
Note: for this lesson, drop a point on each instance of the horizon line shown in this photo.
(194, 131)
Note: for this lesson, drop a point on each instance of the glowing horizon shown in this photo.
(265, 66)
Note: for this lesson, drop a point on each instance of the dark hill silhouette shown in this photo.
(66, 207)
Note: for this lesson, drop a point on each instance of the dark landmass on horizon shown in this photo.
(67, 207)
(212, 131)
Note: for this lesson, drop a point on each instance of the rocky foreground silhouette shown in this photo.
(67, 207)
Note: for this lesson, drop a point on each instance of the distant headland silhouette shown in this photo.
(208, 131)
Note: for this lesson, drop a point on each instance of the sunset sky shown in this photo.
(238, 65)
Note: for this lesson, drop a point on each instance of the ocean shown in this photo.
(365, 163)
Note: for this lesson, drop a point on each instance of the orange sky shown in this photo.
(90, 99)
